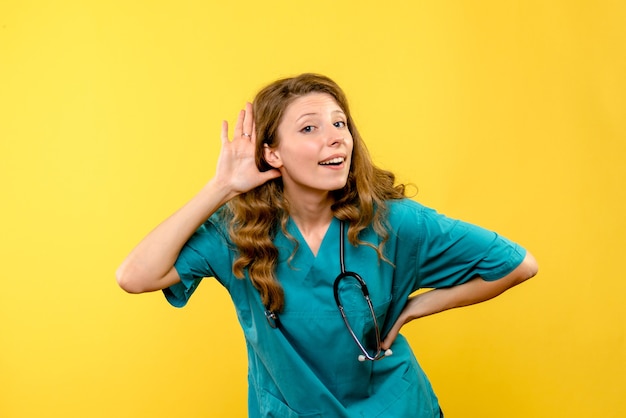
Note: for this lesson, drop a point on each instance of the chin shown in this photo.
(339, 186)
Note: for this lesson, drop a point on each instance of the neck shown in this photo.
(310, 211)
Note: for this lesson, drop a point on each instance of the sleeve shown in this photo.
(207, 254)
(451, 252)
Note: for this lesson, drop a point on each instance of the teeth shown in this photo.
(337, 160)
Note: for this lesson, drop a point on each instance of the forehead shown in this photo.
(312, 103)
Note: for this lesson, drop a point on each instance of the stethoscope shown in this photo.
(379, 354)
(274, 321)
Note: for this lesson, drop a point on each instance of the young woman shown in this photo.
(296, 223)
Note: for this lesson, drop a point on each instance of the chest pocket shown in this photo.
(358, 315)
(353, 380)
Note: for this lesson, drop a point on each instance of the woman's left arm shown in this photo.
(474, 291)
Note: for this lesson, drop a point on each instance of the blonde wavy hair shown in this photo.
(254, 217)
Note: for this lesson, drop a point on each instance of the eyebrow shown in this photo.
(315, 114)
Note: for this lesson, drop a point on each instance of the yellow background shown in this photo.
(508, 114)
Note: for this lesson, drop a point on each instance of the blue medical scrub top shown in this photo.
(308, 366)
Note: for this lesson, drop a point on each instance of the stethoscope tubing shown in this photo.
(274, 320)
(344, 274)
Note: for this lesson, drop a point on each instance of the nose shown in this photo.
(336, 137)
(335, 141)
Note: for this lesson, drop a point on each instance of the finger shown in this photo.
(239, 125)
(224, 135)
(386, 344)
(248, 121)
(390, 338)
(270, 174)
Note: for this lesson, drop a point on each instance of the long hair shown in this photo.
(254, 217)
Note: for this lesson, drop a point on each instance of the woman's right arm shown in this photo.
(150, 265)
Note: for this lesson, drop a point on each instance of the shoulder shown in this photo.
(410, 210)
(214, 230)
(407, 217)
(404, 205)
(402, 210)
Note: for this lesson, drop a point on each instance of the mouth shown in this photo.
(335, 161)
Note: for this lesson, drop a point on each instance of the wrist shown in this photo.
(219, 191)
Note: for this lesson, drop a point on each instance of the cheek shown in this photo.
(295, 160)
(350, 144)
(303, 151)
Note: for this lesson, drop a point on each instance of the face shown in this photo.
(314, 146)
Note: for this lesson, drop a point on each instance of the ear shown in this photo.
(272, 156)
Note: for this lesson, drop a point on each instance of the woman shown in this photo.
(294, 202)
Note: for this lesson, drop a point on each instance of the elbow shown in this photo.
(529, 268)
(128, 281)
(135, 278)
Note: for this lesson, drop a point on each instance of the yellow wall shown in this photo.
(509, 114)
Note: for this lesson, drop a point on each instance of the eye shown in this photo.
(307, 129)
(339, 124)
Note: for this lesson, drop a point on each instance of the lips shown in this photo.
(333, 161)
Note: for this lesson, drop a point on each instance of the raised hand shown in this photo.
(236, 167)
(150, 265)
